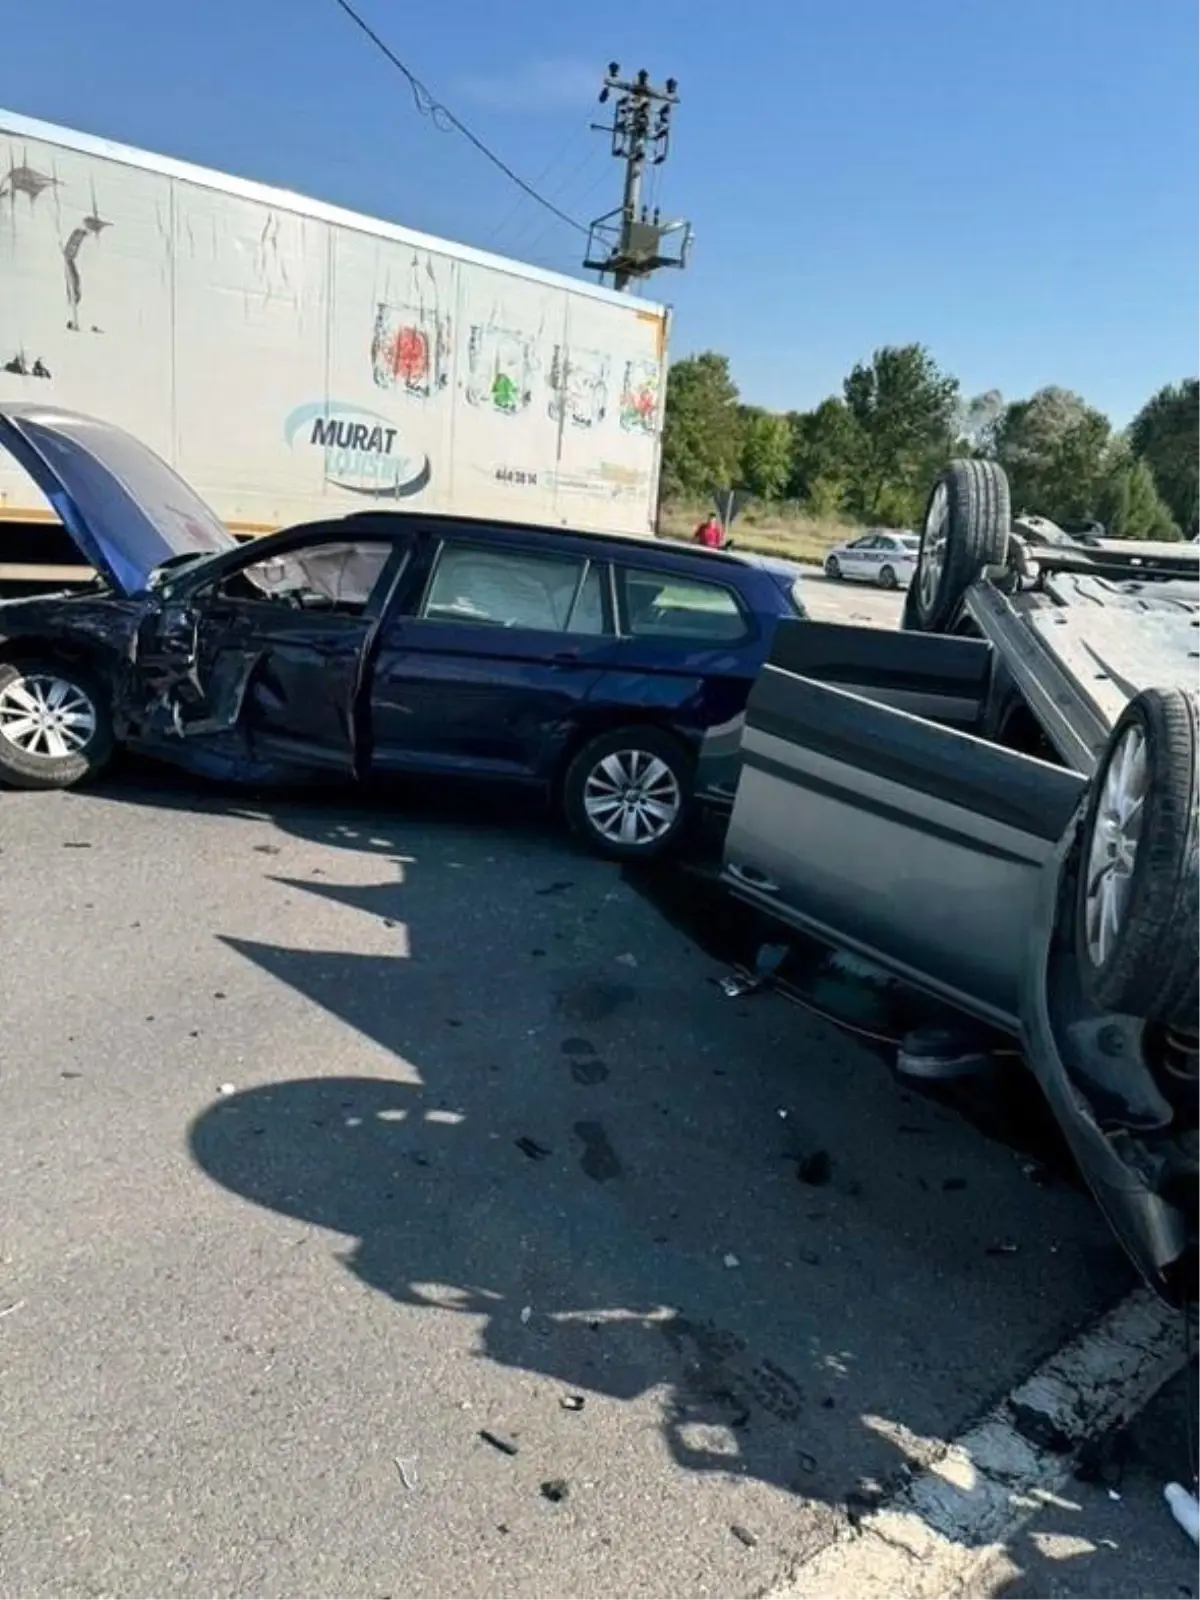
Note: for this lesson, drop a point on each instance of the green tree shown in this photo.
(905, 407)
(1055, 449)
(766, 452)
(827, 448)
(701, 435)
(1166, 434)
(1128, 501)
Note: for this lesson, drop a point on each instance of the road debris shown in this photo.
(555, 1490)
(1184, 1509)
(628, 959)
(531, 1148)
(227, 1088)
(526, 1314)
(815, 1169)
(572, 1402)
(406, 1466)
(505, 1446)
(1002, 1247)
(8, 1310)
(747, 1538)
(731, 1260)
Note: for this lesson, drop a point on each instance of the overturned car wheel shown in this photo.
(1138, 899)
(55, 725)
(965, 530)
(627, 793)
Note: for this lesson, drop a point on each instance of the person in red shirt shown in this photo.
(709, 533)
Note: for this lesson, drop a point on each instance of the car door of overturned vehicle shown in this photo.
(275, 647)
(861, 819)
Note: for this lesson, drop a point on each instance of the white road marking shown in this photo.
(938, 1535)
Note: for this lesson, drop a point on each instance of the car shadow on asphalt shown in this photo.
(625, 1182)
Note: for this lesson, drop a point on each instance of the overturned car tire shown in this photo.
(55, 724)
(1137, 918)
(966, 529)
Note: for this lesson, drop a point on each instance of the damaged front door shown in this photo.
(274, 649)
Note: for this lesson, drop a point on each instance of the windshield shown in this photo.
(138, 510)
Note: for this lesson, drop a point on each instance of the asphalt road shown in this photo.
(393, 1203)
(862, 603)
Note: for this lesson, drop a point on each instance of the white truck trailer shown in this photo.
(296, 361)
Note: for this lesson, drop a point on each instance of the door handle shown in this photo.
(753, 878)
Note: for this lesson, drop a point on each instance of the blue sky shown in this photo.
(1011, 182)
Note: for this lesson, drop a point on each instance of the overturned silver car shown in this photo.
(998, 804)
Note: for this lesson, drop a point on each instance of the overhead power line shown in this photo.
(443, 118)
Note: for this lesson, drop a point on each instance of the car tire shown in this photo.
(66, 735)
(966, 529)
(602, 784)
(1137, 911)
(887, 578)
(833, 568)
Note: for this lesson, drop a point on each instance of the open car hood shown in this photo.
(125, 508)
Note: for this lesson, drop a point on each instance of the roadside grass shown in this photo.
(768, 530)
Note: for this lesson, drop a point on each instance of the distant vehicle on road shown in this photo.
(585, 666)
(881, 556)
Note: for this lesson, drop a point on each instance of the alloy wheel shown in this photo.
(44, 715)
(632, 797)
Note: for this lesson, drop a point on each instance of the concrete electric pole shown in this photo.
(628, 243)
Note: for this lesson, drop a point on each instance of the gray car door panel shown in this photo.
(924, 674)
(916, 844)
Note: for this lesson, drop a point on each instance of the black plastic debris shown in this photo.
(1002, 1247)
(572, 1402)
(531, 1148)
(815, 1169)
(744, 1535)
(505, 1446)
(555, 1490)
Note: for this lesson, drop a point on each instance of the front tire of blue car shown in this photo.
(55, 724)
(627, 794)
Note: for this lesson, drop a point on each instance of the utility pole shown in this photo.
(628, 243)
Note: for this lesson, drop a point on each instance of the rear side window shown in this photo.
(515, 589)
(663, 605)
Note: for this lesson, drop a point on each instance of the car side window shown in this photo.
(515, 589)
(339, 576)
(662, 605)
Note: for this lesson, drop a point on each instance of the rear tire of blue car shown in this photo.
(627, 794)
(55, 724)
